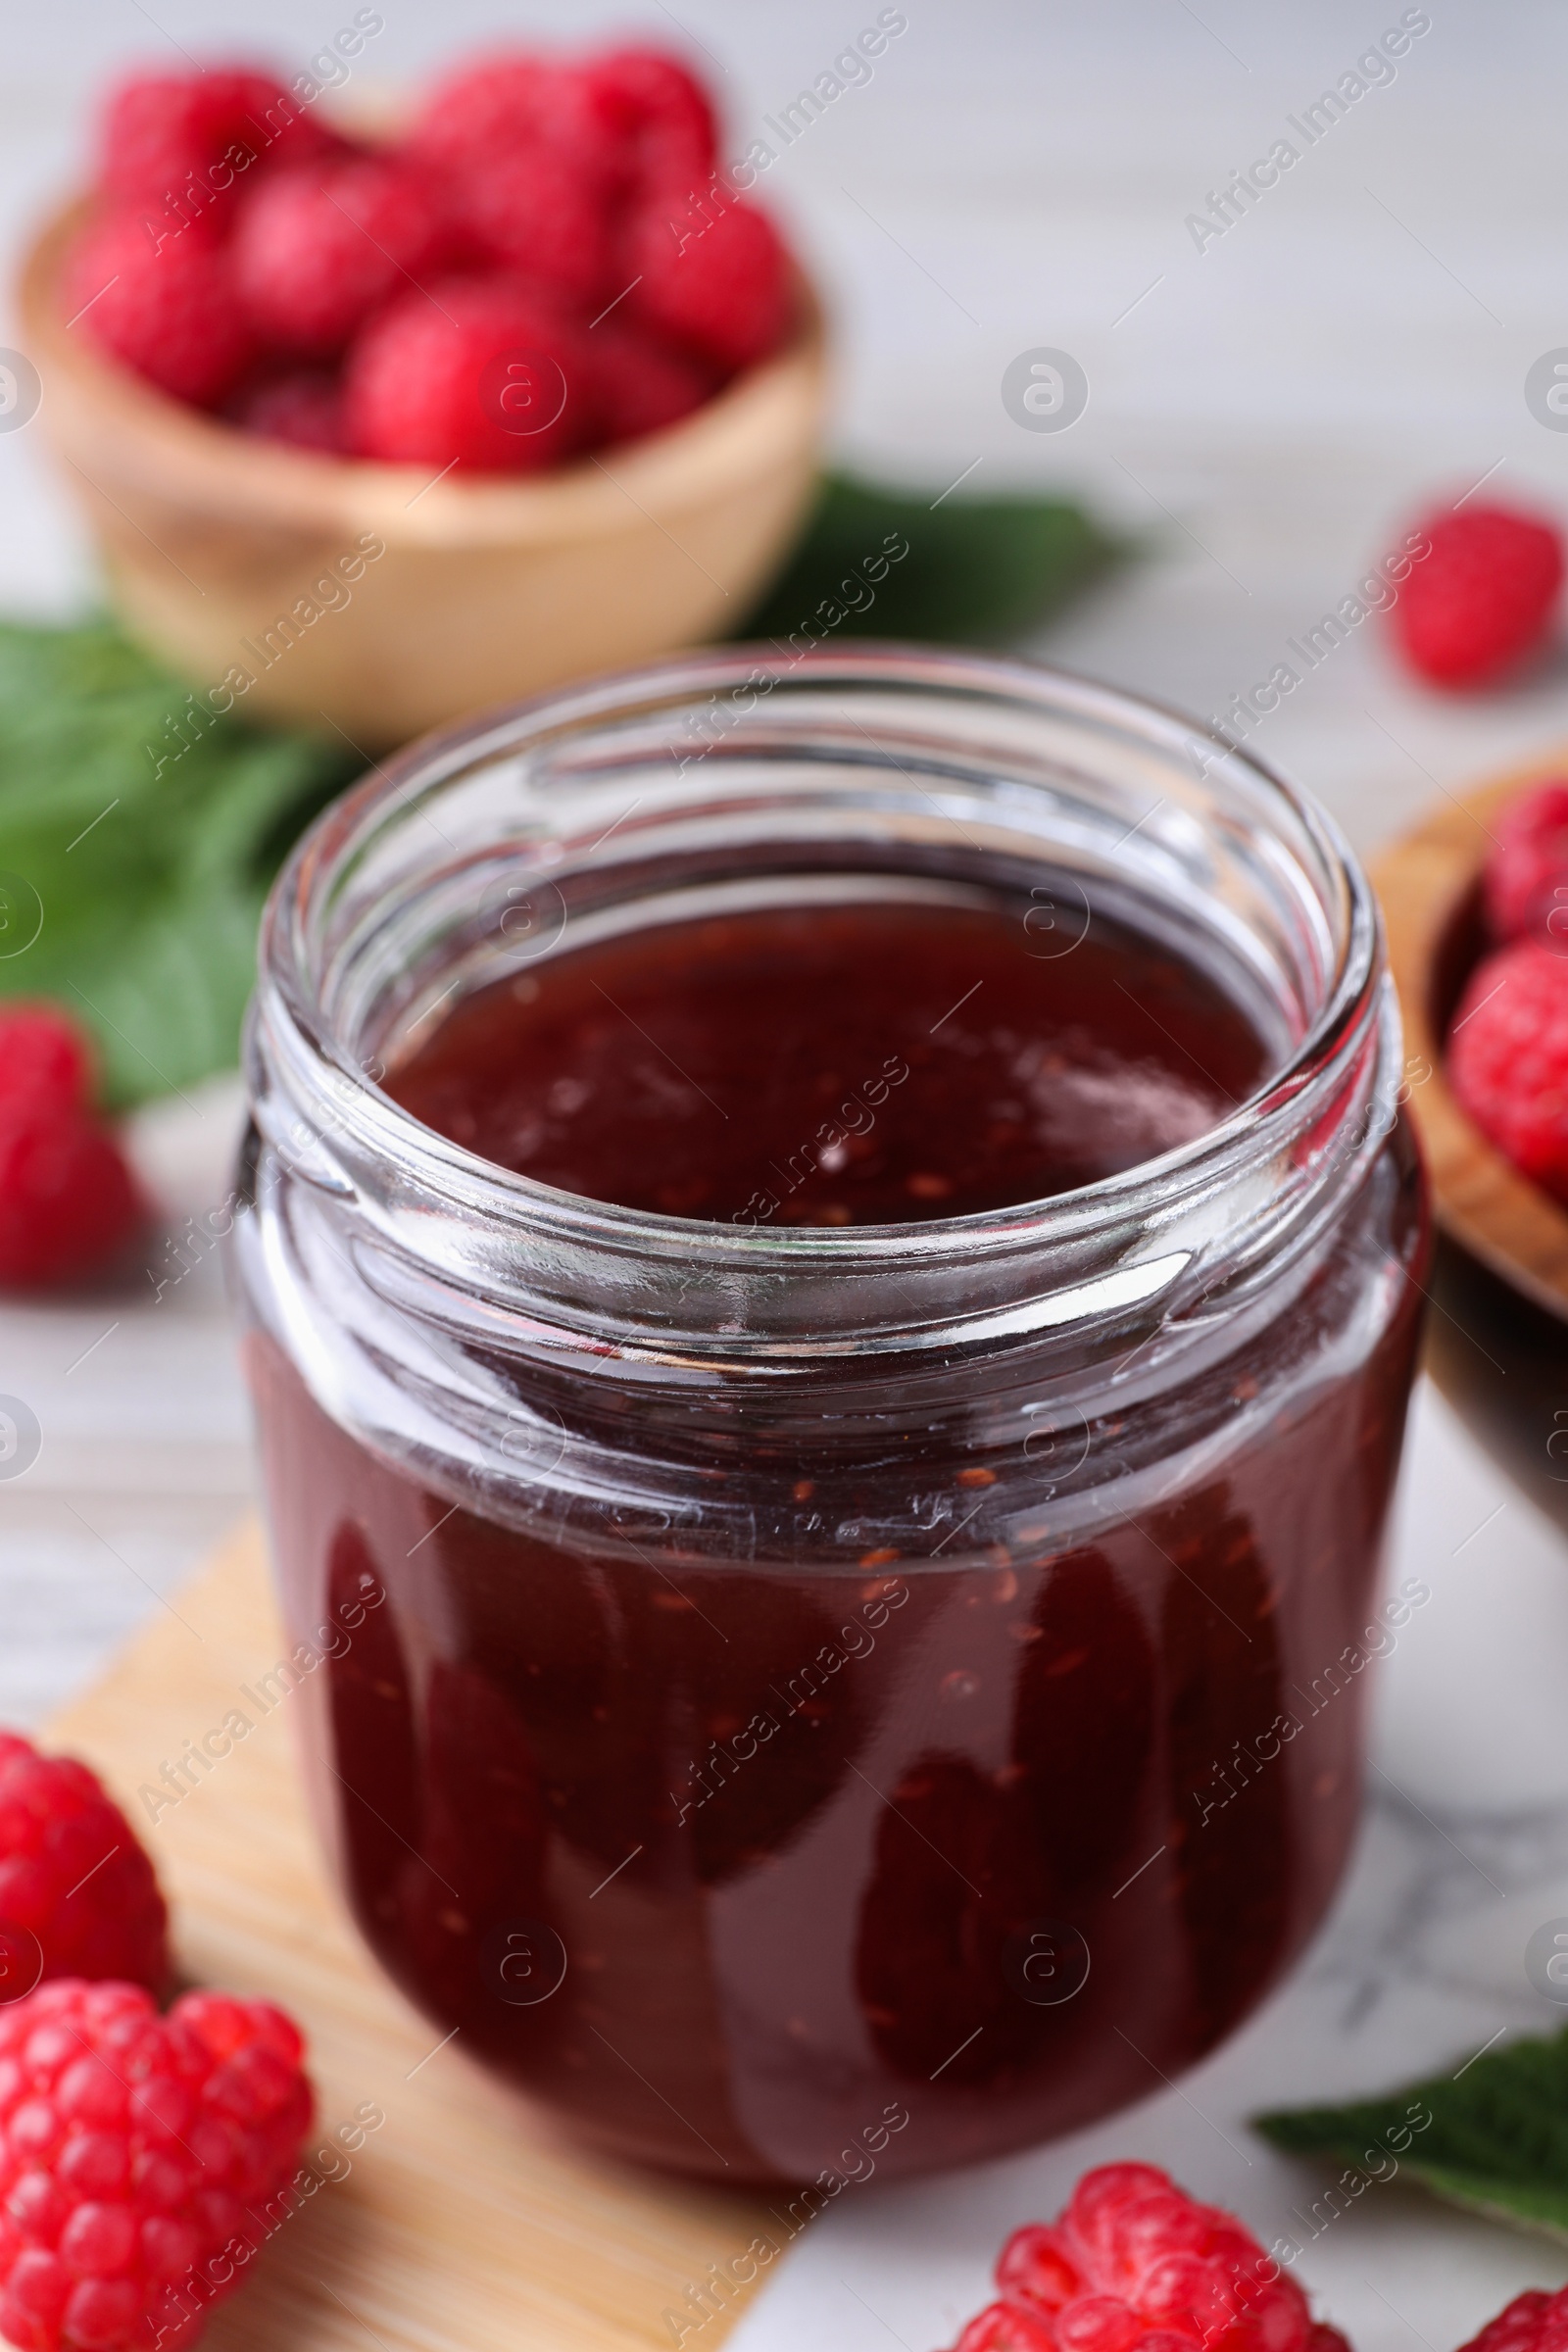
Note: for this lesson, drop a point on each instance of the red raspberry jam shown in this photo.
(843, 1375)
(840, 1065)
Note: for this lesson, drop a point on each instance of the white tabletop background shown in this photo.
(1267, 414)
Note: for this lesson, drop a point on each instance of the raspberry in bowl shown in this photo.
(1475, 898)
(385, 429)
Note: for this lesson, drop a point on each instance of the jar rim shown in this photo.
(294, 1031)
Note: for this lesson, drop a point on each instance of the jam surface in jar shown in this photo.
(872, 1842)
(862, 1064)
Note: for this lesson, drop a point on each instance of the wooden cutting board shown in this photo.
(464, 2222)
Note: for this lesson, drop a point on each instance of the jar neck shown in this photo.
(490, 847)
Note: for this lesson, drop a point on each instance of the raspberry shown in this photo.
(69, 1204)
(489, 108)
(317, 250)
(67, 1201)
(304, 409)
(1526, 873)
(653, 116)
(713, 275)
(1134, 2265)
(1483, 600)
(1532, 2323)
(138, 2147)
(1508, 1058)
(536, 211)
(160, 128)
(72, 1875)
(627, 115)
(44, 1057)
(170, 312)
(429, 380)
(640, 384)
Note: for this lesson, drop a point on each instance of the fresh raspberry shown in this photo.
(317, 250)
(69, 1204)
(44, 1057)
(137, 2148)
(73, 1876)
(169, 310)
(1526, 873)
(537, 212)
(1508, 1058)
(626, 116)
(1532, 2323)
(436, 379)
(1482, 601)
(641, 385)
(712, 273)
(489, 108)
(1134, 2265)
(652, 116)
(160, 130)
(303, 408)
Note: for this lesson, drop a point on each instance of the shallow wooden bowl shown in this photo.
(488, 589)
(1430, 886)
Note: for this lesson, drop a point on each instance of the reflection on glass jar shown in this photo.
(804, 1671)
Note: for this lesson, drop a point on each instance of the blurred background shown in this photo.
(1268, 409)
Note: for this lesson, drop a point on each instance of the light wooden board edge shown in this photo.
(1482, 1201)
(465, 2223)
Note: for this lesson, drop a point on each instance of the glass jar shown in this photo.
(799, 1699)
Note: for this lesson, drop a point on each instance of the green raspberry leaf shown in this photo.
(976, 570)
(146, 834)
(1498, 2138)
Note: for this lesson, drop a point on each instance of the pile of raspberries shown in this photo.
(1507, 1056)
(546, 261)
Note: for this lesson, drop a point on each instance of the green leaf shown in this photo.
(978, 570)
(148, 835)
(1498, 2140)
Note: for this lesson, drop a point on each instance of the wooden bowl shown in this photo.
(488, 589)
(1430, 886)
